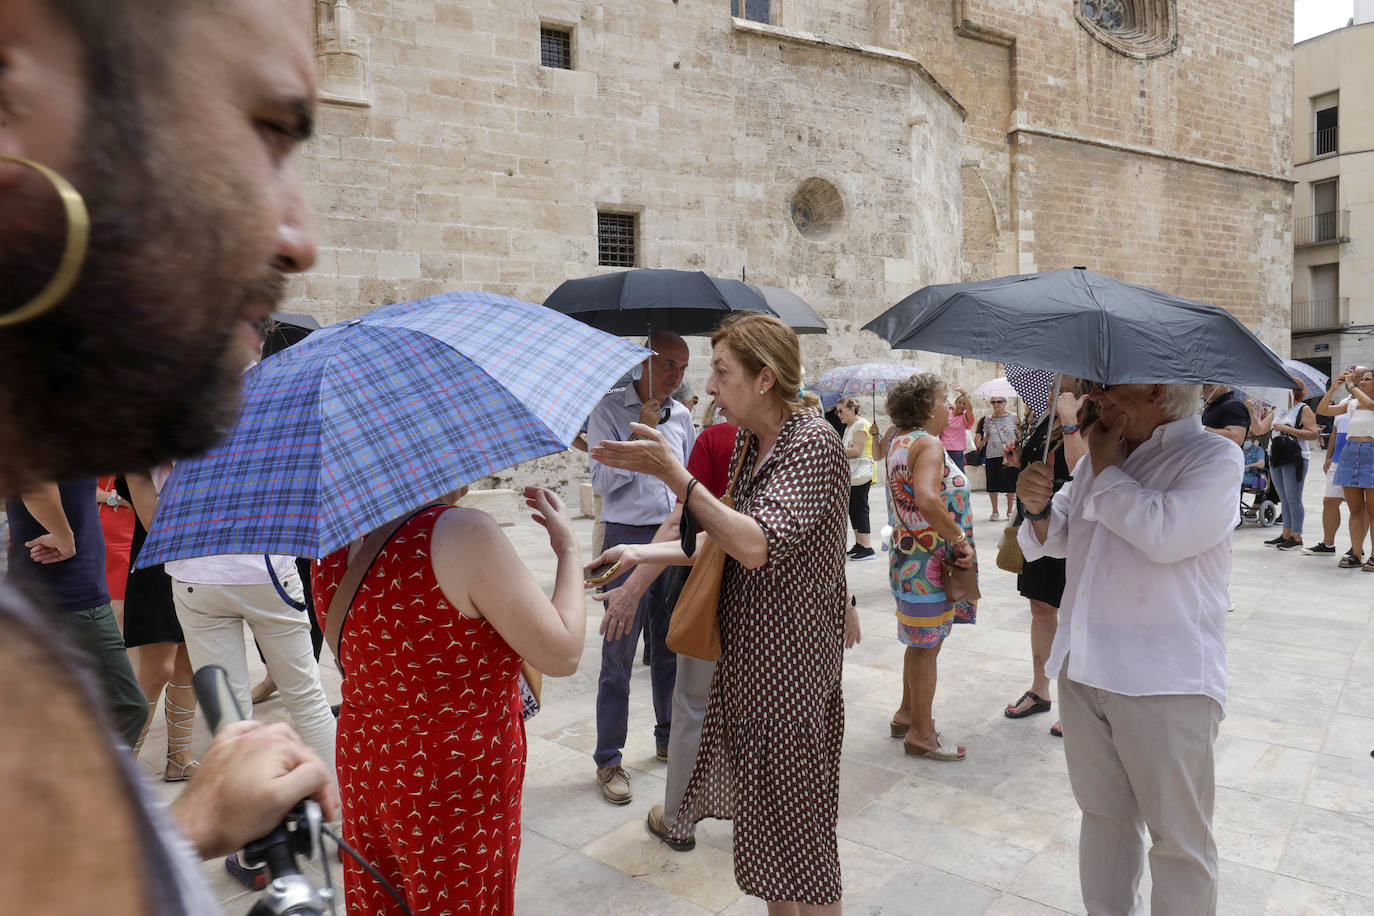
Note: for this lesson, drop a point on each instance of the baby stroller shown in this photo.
(1258, 499)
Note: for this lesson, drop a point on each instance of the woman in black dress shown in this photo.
(150, 624)
(1042, 581)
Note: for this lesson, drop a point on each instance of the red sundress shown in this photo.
(431, 745)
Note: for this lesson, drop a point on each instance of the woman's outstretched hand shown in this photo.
(647, 453)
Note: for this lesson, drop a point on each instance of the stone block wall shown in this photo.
(471, 166)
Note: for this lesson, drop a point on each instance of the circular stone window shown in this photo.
(817, 209)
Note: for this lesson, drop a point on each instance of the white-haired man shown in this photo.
(1145, 526)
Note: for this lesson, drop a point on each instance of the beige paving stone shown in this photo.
(1343, 785)
(1266, 719)
(951, 849)
(1320, 850)
(1293, 897)
(1349, 736)
(1265, 769)
(701, 876)
(1252, 829)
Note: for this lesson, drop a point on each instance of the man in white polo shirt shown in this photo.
(1145, 526)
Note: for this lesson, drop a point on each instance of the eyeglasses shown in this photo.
(995, 403)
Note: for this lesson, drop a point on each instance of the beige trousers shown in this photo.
(1137, 764)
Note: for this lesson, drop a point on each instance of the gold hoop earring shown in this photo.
(73, 255)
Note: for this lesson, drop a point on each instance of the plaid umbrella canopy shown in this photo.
(368, 419)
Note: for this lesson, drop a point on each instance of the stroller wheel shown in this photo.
(1268, 514)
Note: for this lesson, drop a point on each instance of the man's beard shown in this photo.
(138, 362)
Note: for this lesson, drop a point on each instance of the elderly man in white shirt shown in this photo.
(1145, 526)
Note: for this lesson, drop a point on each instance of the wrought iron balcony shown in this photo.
(1325, 142)
(1321, 229)
(1317, 314)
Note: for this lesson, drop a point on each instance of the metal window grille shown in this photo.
(555, 48)
(615, 239)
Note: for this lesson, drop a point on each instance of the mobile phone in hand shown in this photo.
(597, 575)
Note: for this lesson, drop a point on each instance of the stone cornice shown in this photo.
(889, 55)
(1019, 126)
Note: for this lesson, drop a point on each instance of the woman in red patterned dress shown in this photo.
(431, 744)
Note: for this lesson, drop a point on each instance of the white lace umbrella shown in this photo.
(996, 388)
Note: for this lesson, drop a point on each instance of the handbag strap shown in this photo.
(342, 601)
(729, 497)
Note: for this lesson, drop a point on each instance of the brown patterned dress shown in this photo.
(770, 745)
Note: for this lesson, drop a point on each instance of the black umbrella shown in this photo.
(1084, 324)
(792, 309)
(286, 329)
(633, 303)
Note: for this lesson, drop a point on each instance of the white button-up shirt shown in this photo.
(628, 497)
(1148, 550)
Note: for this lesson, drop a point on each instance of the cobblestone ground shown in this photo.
(997, 834)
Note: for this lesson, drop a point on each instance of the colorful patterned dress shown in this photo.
(770, 744)
(431, 745)
(924, 615)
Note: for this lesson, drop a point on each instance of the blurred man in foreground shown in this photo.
(150, 211)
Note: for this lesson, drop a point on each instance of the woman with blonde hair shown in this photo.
(770, 745)
(1355, 472)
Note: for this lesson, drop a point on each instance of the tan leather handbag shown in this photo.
(694, 628)
(961, 583)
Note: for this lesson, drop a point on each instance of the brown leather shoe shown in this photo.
(615, 784)
(659, 829)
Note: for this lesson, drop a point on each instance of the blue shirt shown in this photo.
(77, 584)
(628, 497)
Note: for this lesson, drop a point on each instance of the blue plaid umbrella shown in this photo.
(368, 419)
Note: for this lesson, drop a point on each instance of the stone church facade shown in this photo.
(850, 150)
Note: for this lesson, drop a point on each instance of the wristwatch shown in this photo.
(1036, 516)
(112, 499)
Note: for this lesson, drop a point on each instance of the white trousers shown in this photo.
(690, 693)
(212, 619)
(1138, 764)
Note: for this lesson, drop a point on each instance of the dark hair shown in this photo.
(911, 401)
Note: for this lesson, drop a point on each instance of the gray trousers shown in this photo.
(689, 712)
(1138, 764)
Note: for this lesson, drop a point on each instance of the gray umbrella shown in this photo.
(792, 309)
(1084, 324)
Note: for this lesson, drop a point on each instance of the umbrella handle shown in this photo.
(1054, 410)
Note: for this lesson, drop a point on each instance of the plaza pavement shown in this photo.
(997, 833)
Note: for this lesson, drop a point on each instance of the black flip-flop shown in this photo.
(1040, 705)
(1056, 730)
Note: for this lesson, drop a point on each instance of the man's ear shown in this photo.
(42, 89)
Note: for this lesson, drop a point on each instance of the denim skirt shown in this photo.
(1356, 467)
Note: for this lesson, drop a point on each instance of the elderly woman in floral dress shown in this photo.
(931, 520)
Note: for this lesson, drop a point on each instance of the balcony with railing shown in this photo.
(1325, 142)
(1319, 314)
(1321, 228)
